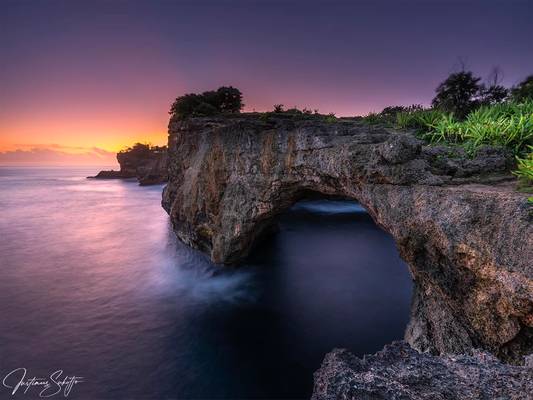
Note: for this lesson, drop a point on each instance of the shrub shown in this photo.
(330, 118)
(389, 114)
(420, 119)
(223, 100)
(444, 128)
(294, 110)
(524, 169)
(508, 125)
(373, 118)
(523, 91)
(294, 113)
(395, 110)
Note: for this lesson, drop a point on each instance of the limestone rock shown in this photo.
(400, 373)
(466, 234)
(149, 167)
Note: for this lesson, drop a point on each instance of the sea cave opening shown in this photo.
(330, 277)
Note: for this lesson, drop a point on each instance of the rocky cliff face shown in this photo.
(149, 165)
(398, 372)
(465, 233)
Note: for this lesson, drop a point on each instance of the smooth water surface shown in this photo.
(94, 283)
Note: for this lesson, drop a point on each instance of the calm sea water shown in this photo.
(94, 283)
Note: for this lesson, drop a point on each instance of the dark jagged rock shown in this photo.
(457, 221)
(147, 164)
(112, 174)
(400, 373)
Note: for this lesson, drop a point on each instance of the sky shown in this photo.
(80, 80)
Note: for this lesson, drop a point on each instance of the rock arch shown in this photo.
(467, 238)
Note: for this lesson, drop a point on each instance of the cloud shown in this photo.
(56, 155)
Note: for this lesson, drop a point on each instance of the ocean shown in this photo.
(96, 285)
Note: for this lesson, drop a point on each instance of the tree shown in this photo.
(205, 109)
(493, 92)
(458, 94)
(524, 90)
(185, 105)
(225, 99)
(139, 150)
(229, 100)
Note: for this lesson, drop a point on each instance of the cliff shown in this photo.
(458, 222)
(147, 164)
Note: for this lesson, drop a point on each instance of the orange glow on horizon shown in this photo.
(50, 141)
(76, 136)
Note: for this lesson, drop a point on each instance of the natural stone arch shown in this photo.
(468, 246)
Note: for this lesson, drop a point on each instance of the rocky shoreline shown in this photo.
(400, 372)
(458, 222)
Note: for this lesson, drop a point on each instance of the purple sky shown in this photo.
(103, 73)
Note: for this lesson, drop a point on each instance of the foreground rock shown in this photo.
(147, 164)
(466, 234)
(399, 372)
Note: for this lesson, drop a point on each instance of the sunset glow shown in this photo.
(84, 75)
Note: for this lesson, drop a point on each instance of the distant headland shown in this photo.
(142, 161)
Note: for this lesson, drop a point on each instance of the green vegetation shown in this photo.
(458, 94)
(465, 112)
(420, 119)
(330, 118)
(524, 90)
(469, 114)
(507, 125)
(295, 113)
(524, 172)
(388, 115)
(225, 100)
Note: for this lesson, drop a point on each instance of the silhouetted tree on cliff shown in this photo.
(493, 92)
(458, 94)
(229, 99)
(138, 150)
(524, 90)
(225, 99)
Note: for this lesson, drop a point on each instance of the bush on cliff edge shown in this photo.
(225, 99)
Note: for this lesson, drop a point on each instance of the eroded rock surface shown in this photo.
(466, 234)
(400, 373)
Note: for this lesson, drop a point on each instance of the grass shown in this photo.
(524, 172)
(508, 125)
(422, 120)
(373, 118)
